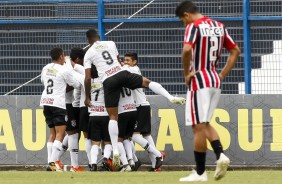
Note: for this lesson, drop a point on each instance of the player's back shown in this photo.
(97, 107)
(126, 101)
(103, 54)
(207, 37)
(54, 81)
(138, 94)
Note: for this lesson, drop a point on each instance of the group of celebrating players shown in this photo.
(104, 99)
(85, 93)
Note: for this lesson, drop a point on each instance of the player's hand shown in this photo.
(221, 77)
(189, 77)
(87, 102)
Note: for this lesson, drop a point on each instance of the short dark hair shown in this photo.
(91, 33)
(186, 6)
(133, 55)
(77, 53)
(55, 53)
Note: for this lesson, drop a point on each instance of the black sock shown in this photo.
(217, 148)
(200, 158)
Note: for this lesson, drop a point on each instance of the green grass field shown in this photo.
(232, 177)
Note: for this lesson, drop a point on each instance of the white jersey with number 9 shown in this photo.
(103, 54)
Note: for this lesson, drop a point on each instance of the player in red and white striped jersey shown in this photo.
(203, 43)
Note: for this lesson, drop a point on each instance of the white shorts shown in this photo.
(200, 105)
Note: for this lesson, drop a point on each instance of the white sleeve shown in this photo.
(87, 60)
(42, 76)
(80, 69)
(115, 49)
(70, 79)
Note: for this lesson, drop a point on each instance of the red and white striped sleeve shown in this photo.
(228, 41)
(191, 34)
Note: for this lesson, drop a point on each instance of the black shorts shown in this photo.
(72, 118)
(98, 128)
(54, 116)
(112, 86)
(83, 119)
(126, 124)
(143, 122)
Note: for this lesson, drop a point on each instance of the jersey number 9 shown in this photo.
(107, 56)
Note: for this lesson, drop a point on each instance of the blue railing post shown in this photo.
(101, 27)
(247, 47)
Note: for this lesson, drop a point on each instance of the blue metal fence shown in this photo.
(30, 28)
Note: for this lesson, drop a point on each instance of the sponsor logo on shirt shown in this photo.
(206, 30)
(48, 101)
(97, 108)
(130, 106)
(51, 72)
(113, 70)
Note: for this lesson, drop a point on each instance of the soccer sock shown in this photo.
(57, 146)
(145, 144)
(158, 89)
(49, 150)
(200, 158)
(152, 157)
(88, 144)
(113, 131)
(94, 154)
(73, 145)
(128, 148)
(122, 154)
(217, 148)
(108, 151)
(64, 146)
(135, 159)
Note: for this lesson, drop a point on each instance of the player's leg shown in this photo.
(129, 152)
(105, 138)
(212, 135)
(160, 90)
(83, 127)
(196, 110)
(50, 142)
(94, 155)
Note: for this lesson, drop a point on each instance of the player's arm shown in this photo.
(87, 83)
(232, 58)
(234, 53)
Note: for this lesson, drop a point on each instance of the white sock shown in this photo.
(49, 150)
(88, 144)
(64, 146)
(128, 149)
(135, 159)
(94, 154)
(108, 151)
(145, 144)
(122, 154)
(73, 146)
(152, 157)
(113, 131)
(57, 146)
(158, 89)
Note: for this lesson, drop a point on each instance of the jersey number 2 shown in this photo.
(213, 49)
(50, 86)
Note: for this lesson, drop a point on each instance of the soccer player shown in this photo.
(203, 43)
(55, 77)
(104, 55)
(143, 124)
(98, 124)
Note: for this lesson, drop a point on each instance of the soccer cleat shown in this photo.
(154, 170)
(178, 100)
(159, 160)
(137, 165)
(59, 165)
(116, 160)
(93, 167)
(195, 177)
(221, 166)
(53, 167)
(106, 164)
(126, 168)
(77, 169)
(132, 164)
